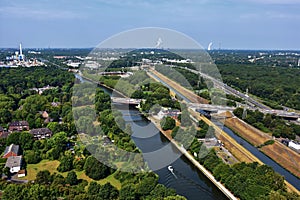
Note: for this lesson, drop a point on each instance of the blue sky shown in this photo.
(235, 24)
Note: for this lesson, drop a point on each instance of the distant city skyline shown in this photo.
(229, 24)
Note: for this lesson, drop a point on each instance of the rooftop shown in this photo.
(13, 161)
(12, 148)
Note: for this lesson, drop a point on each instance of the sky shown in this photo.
(229, 24)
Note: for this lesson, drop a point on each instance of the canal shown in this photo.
(187, 180)
(292, 179)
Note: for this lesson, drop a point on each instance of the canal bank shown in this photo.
(188, 181)
(240, 147)
(194, 161)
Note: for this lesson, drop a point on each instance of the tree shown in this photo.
(58, 140)
(6, 171)
(185, 118)
(72, 178)
(107, 191)
(127, 192)
(66, 163)
(55, 127)
(43, 177)
(32, 157)
(167, 123)
(94, 188)
(95, 170)
(145, 186)
(160, 191)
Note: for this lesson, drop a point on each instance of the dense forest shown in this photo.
(269, 123)
(276, 84)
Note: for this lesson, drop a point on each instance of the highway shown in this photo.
(253, 104)
(245, 153)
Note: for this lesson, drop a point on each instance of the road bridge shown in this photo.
(210, 107)
(126, 100)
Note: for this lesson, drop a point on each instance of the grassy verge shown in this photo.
(51, 166)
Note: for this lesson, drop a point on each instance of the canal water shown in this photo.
(292, 179)
(188, 181)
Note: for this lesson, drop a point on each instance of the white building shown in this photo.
(14, 163)
(295, 146)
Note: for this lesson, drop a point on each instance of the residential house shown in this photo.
(14, 163)
(3, 133)
(41, 133)
(11, 150)
(18, 126)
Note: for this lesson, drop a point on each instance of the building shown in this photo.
(41, 133)
(18, 126)
(21, 173)
(11, 150)
(168, 112)
(14, 163)
(295, 146)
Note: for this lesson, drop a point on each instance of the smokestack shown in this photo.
(209, 46)
(21, 49)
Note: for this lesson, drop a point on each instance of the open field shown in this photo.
(249, 133)
(51, 165)
(187, 93)
(285, 156)
(280, 153)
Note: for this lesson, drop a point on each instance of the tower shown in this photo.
(21, 56)
(21, 49)
(298, 62)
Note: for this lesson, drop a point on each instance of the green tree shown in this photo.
(127, 192)
(66, 163)
(167, 123)
(43, 177)
(32, 157)
(72, 178)
(93, 188)
(94, 169)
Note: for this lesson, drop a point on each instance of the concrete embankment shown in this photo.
(194, 161)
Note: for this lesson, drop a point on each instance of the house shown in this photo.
(18, 126)
(41, 133)
(21, 173)
(168, 112)
(11, 150)
(14, 163)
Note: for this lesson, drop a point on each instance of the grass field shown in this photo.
(187, 93)
(280, 153)
(249, 133)
(284, 156)
(51, 165)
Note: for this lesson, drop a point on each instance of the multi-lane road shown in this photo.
(252, 103)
